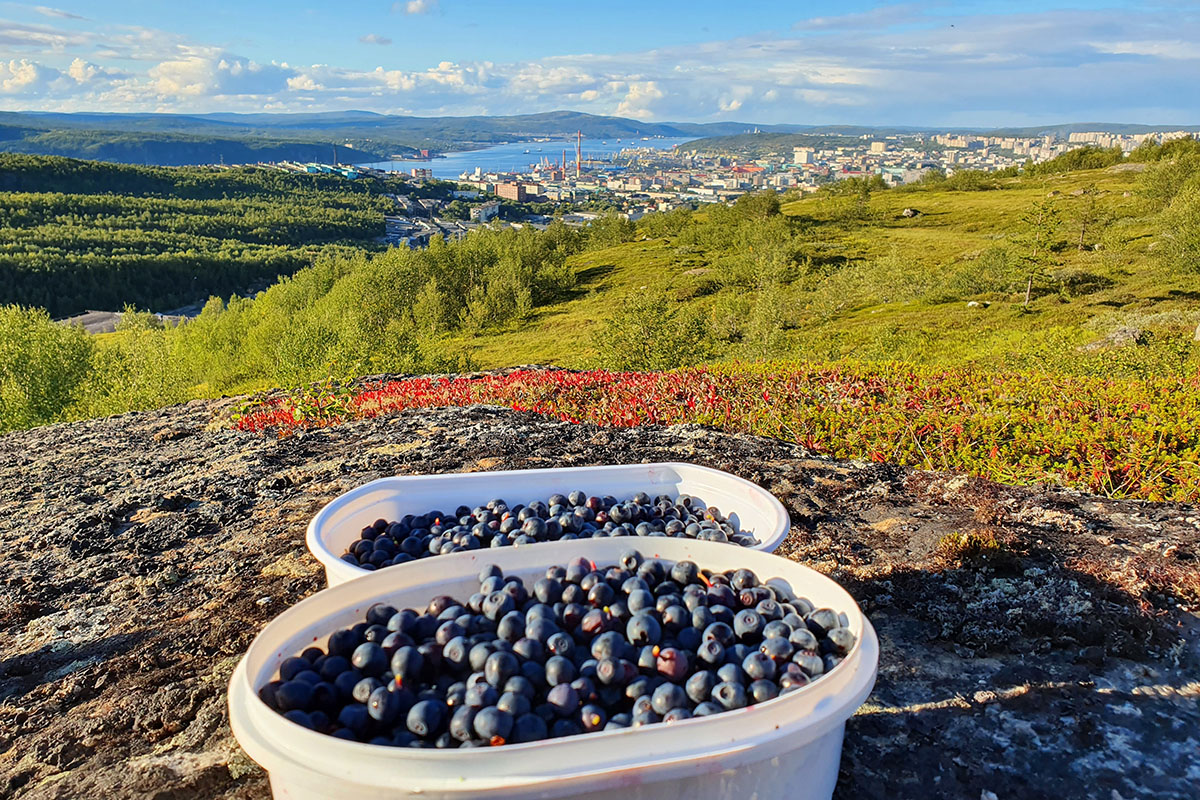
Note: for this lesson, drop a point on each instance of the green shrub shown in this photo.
(1181, 232)
(41, 367)
(609, 230)
(650, 331)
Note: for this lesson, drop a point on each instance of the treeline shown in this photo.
(136, 147)
(346, 314)
(83, 234)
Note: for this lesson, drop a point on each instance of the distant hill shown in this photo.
(182, 139)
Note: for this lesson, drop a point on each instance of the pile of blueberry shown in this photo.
(561, 517)
(583, 649)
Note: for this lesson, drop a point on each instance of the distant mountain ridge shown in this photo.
(178, 139)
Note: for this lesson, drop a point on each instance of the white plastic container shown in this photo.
(339, 523)
(787, 747)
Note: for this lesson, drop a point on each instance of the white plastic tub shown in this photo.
(787, 747)
(340, 522)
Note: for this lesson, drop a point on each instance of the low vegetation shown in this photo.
(1122, 438)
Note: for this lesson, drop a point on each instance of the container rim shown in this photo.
(314, 538)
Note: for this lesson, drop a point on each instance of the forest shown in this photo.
(78, 235)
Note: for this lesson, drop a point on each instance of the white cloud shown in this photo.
(416, 6)
(202, 74)
(374, 38)
(25, 77)
(58, 13)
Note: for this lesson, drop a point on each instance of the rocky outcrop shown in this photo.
(1035, 642)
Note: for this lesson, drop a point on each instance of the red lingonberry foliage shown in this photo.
(1123, 438)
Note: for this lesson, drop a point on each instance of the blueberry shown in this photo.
(720, 632)
(609, 644)
(355, 719)
(266, 693)
(291, 667)
(748, 625)
(384, 705)
(675, 617)
(630, 560)
(494, 725)
(842, 640)
(407, 663)
(699, 687)
(762, 691)
(614, 671)
(672, 664)
(540, 630)
(519, 684)
(548, 591)
(294, 695)
(325, 696)
(565, 727)
(707, 709)
(425, 718)
(529, 728)
(790, 682)
(560, 644)
(645, 717)
(311, 677)
(822, 621)
(667, 697)
(729, 695)
(534, 672)
(345, 683)
(777, 649)
(563, 699)
(559, 670)
(743, 579)
(812, 664)
(515, 704)
(363, 689)
(769, 610)
(478, 655)
(639, 600)
(677, 714)
(455, 653)
(731, 673)
(380, 613)
(643, 629)
(804, 639)
(369, 659)
(500, 667)
(685, 572)
(480, 695)
(497, 604)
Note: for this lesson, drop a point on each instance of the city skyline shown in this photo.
(968, 64)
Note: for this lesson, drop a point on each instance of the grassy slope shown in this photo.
(953, 229)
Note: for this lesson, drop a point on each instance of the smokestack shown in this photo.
(578, 151)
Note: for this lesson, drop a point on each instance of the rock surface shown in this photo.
(1035, 642)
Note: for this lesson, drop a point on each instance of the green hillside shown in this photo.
(869, 283)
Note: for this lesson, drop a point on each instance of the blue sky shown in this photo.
(961, 63)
